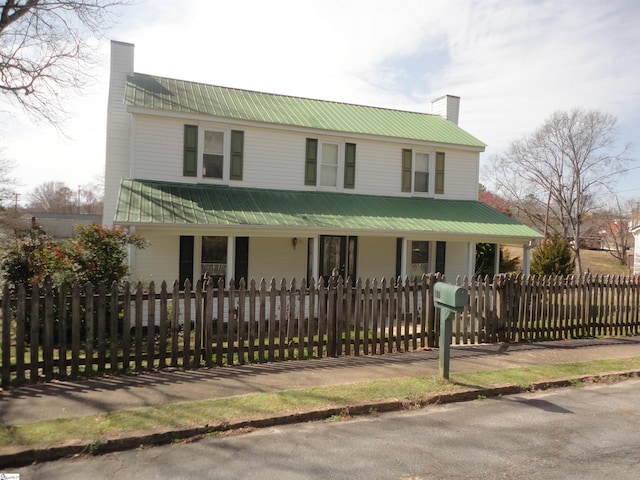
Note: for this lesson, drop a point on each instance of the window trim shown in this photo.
(345, 169)
(437, 254)
(436, 178)
(233, 153)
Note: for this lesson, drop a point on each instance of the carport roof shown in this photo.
(145, 202)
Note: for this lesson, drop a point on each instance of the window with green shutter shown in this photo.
(439, 177)
(311, 162)
(407, 154)
(350, 165)
(237, 154)
(190, 160)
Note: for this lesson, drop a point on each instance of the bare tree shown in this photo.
(55, 197)
(7, 182)
(91, 197)
(565, 169)
(615, 223)
(45, 49)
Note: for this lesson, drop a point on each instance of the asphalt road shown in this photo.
(574, 433)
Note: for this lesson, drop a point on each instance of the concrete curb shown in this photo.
(13, 457)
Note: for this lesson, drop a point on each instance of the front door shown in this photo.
(338, 256)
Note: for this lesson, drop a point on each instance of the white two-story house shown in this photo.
(234, 183)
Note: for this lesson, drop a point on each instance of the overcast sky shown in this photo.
(512, 62)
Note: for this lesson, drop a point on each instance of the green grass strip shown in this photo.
(95, 428)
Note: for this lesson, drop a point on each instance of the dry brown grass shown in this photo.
(596, 261)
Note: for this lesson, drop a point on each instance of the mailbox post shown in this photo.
(450, 300)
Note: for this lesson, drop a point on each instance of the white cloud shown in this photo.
(512, 62)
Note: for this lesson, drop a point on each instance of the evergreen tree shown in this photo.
(553, 257)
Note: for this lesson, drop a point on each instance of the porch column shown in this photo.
(496, 260)
(471, 261)
(315, 269)
(404, 256)
(526, 262)
(231, 260)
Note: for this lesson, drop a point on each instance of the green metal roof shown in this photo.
(151, 92)
(145, 202)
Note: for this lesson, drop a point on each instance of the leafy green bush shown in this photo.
(553, 257)
(97, 255)
(485, 256)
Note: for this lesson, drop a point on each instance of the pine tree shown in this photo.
(553, 257)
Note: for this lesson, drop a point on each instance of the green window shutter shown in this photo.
(441, 255)
(311, 162)
(350, 165)
(439, 188)
(237, 154)
(406, 169)
(190, 161)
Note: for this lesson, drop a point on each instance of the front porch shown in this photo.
(215, 230)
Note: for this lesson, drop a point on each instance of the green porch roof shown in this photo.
(160, 93)
(145, 202)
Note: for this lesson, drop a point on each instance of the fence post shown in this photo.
(186, 325)
(89, 325)
(47, 341)
(62, 331)
(6, 337)
(430, 312)
(126, 328)
(114, 327)
(175, 323)
(102, 328)
(331, 318)
(34, 333)
(151, 325)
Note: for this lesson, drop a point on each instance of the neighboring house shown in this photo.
(234, 183)
(62, 225)
(635, 230)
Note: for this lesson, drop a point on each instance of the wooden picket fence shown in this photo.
(95, 330)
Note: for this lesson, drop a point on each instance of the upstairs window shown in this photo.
(416, 168)
(421, 173)
(213, 154)
(330, 164)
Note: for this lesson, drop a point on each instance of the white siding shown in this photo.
(275, 159)
(376, 257)
(461, 175)
(159, 261)
(118, 128)
(158, 149)
(276, 257)
(456, 260)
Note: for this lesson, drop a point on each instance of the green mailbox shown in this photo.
(450, 299)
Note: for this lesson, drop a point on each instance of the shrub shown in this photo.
(97, 255)
(553, 257)
(485, 255)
